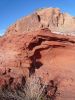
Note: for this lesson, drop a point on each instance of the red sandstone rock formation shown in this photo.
(29, 49)
(47, 55)
(51, 18)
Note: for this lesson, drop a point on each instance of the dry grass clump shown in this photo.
(32, 89)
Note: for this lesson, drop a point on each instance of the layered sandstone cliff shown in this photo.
(35, 61)
(51, 18)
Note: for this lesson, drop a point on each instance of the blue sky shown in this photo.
(12, 10)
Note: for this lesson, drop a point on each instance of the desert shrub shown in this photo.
(36, 90)
(31, 89)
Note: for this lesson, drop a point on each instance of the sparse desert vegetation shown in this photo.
(30, 89)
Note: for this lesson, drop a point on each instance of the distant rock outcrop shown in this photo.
(51, 18)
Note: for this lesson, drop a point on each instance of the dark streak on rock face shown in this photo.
(36, 42)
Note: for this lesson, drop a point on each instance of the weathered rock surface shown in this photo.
(48, 55)
(51, 18)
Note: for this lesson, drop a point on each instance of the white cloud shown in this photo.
(2, 31)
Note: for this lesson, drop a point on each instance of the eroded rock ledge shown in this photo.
(49, 56)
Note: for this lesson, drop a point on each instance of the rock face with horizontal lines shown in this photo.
(51, 18)
(40, 53)
(35, 61)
